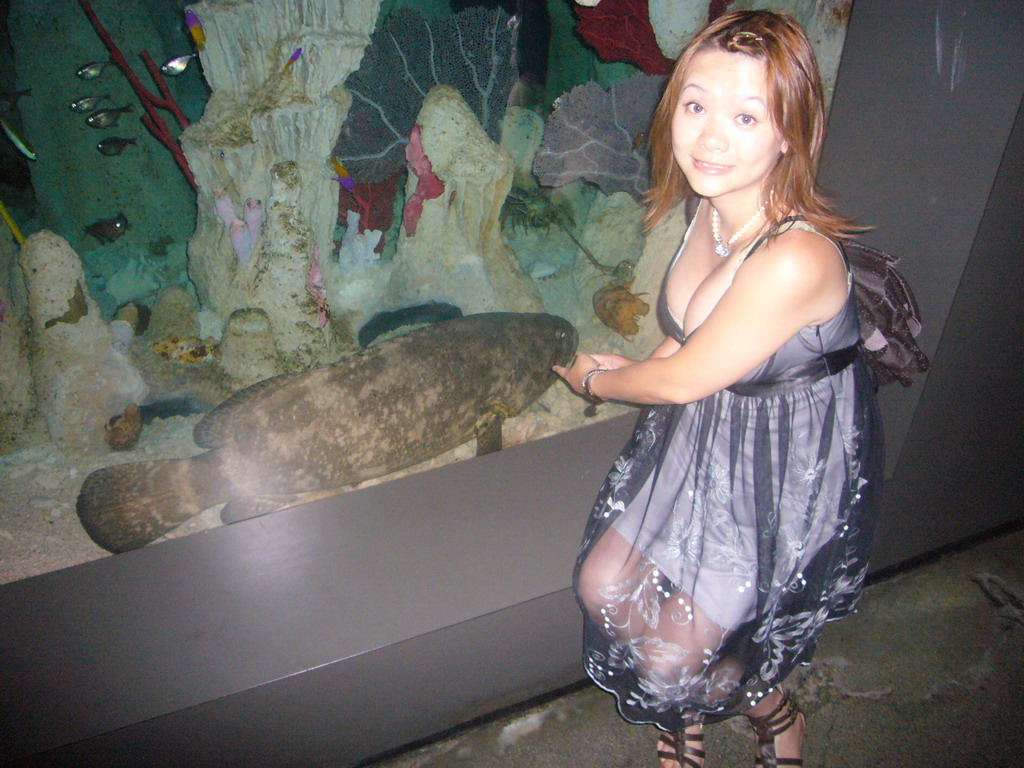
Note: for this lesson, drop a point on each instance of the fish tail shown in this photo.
(127, 506)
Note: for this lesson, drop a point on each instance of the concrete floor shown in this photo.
(929, 672)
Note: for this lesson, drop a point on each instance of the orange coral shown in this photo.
(190, 350)
(618, 308)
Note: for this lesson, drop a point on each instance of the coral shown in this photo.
(80, 379)
(521, 133)
(458, 255)
(620, 30)
(472, 51)
(185, 350)
(253, 218)
(153, 120)
(122, 432)
(373, 202)
(599, 135)
(315, 288)
(428, 186)
(358, 249)
(224, 206)
(248, 353)
(240, 242)
(618, 308)
(267, 134)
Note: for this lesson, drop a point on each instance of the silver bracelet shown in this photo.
(585, 384)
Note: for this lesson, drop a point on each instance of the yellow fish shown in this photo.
(344, 177)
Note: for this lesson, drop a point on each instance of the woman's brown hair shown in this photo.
(796, 105)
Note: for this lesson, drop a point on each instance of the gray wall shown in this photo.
(925, 145)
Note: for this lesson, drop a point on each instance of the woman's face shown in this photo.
(722, 136)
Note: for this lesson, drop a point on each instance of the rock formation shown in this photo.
(457, 255)
(267, 135)
(81, 380)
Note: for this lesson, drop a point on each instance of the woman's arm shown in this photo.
(798, 280)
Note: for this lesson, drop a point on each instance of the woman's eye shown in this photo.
(694, 108)
(746, 120)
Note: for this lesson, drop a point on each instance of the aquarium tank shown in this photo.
(257, 252)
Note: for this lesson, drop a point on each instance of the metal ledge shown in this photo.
(329, 632)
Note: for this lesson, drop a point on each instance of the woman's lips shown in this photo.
(712, 169)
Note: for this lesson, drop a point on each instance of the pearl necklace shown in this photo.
(722, 249)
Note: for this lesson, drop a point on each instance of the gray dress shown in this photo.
(745, 520)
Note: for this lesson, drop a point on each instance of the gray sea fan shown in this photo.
(597, 135)
(472, 51)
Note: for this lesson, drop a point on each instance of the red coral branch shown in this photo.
(620, 30)
(374, 202)
(153, 120)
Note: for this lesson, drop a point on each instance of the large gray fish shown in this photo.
(394, 405)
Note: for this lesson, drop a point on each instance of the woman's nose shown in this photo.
(713, 137)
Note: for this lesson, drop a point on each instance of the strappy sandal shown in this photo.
(780, 720)
(679, 742)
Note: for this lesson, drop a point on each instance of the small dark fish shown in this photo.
(177, 65)
(87, 103)
(90, 71)
(108, 230)
(113, 145)
(106, 117)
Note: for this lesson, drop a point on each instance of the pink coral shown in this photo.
(428, 185)
(315, 288)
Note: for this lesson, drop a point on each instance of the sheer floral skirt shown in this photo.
(725, 536)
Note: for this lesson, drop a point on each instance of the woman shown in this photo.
(737, 519)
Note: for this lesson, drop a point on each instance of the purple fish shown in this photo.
(292, 60)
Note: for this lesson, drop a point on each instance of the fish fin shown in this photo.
(127, 506)
(245, 509)
(488, 427)
(488, 438)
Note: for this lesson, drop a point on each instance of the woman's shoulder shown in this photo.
(800, 252)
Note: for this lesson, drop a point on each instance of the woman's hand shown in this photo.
(581, 366)
(585, 363)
